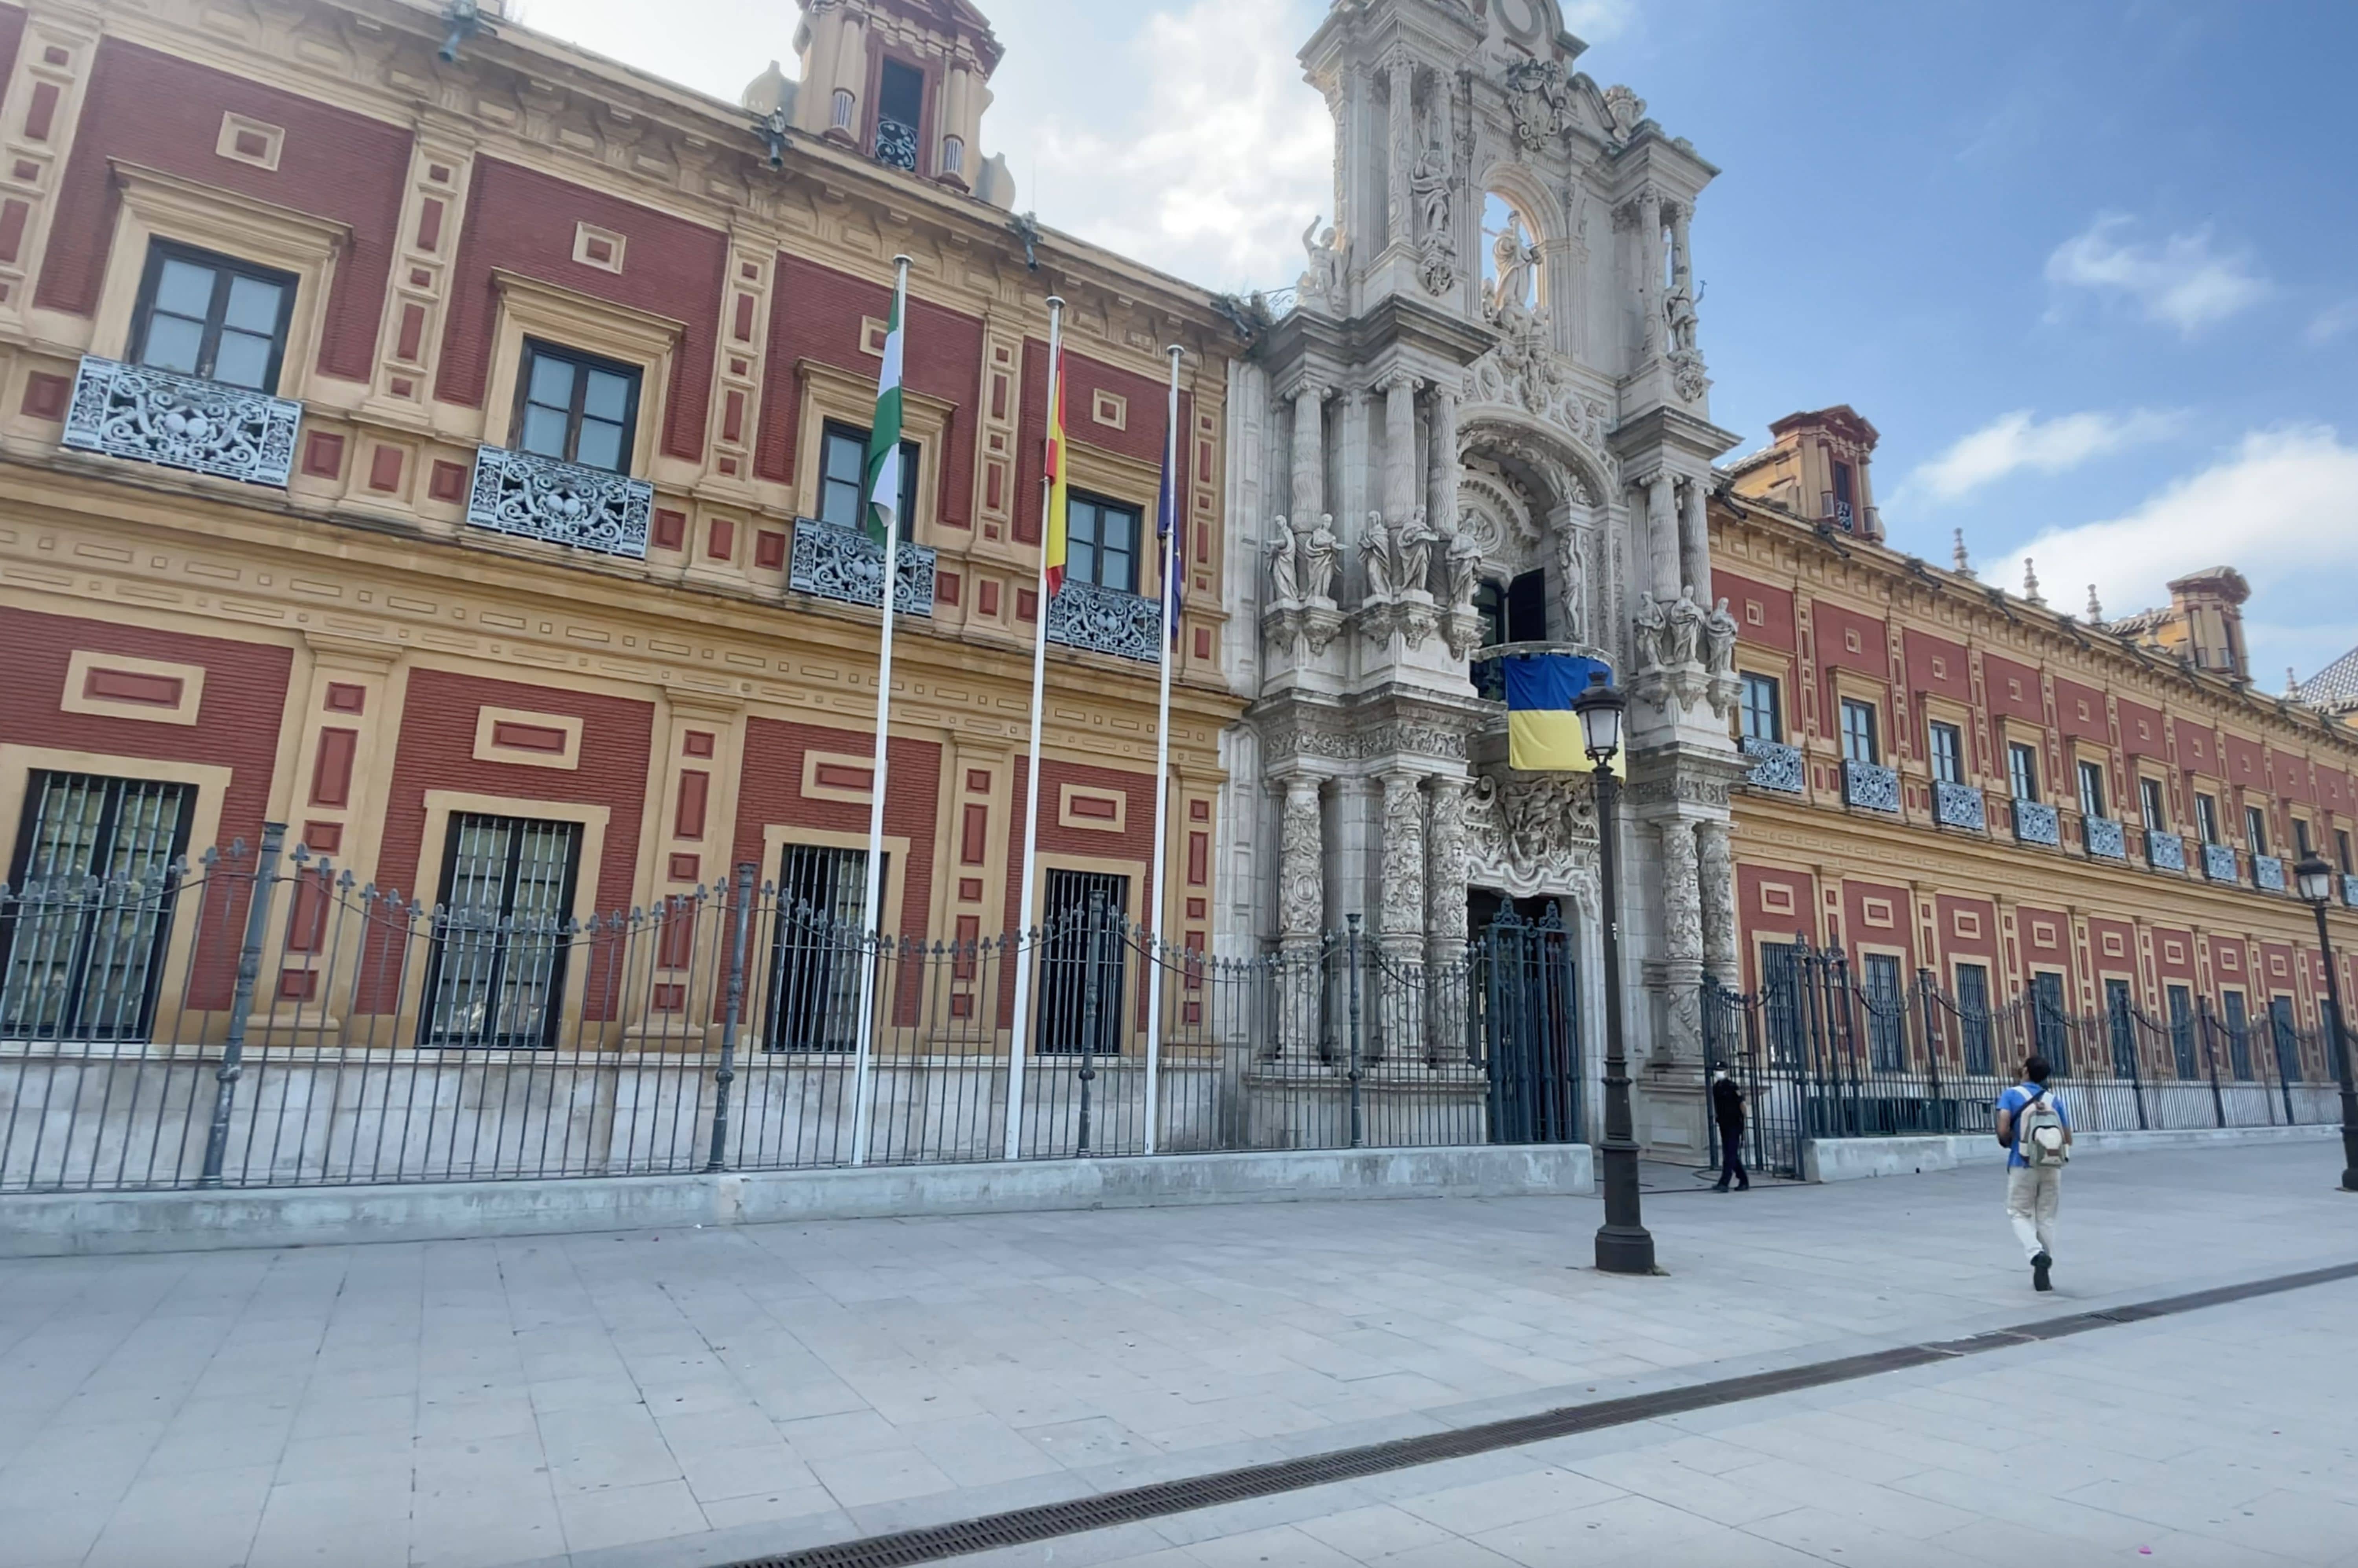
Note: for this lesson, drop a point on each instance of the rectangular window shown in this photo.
(495, 975)
(1845, 511)
(2120, 1018)
(1887, 1012)
(2094, 800)
(2239, 1036)
(1784, 985)
(2022, 771)
(2256, 828)
(816, 953)
(205, 315)
(1764, 716)
(2157, 816)
(843, 479)
(1860, 742)
(2051, 1026)
(1101, 542)
(2302, 847)
(82, 948)
(2206, 818)
(576, 407)
(2182, 1032)
(1082, 954)
(2342, 843)
(2287, 1038)
(900, 111)
(1948, 753)
(1974, 1016)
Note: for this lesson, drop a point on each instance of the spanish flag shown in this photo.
(1058, 486)
(1543, 733)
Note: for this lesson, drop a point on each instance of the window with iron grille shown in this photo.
(2022, 770)
(2239, 1036)
(818, 953)
(1860, 743)
(1887, 1019)
(1781, 979)
(1974, 1013)
(1101, 542)
(899, 113)
(205, 315)
(1948, 753)
(843, 480)
(2182, 1032)
(1082, 964)
(495, 978)
(2050, 1027)
(82, 947)
(2121, 1018)
(576, 407)
(1764, 717)
(2288, 1039)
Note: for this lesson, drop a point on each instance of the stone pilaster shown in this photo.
(1302, 908)
(1399, 448)
(1309, 455)
(1716, 868)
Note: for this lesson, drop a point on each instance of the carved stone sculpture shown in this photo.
(1679, 315)
(1681, 892)
(1322, 554)
(1464, 566)
(1623, 113)
(1652, 629)
(1572, 574)
(1535, 829)
(1376, 559)
(1508, 300)
(1718, 871)
(1449, 855)
(1719, 631)
(1539, 100)
(1685, 645)
(1284, 572)
(1301, 874)
(1430, 182)
(1403, 857)
(1416, 544)
(1325, 277)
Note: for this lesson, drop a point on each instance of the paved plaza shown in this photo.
(684, 1400)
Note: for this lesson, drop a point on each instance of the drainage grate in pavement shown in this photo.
(1047, 1521)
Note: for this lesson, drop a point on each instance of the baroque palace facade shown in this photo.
(444, 441)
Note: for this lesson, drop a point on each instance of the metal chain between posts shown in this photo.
(241, 1007)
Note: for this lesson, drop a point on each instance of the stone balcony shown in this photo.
(181, 421)
(2034, 823)
(1107, 620)
(847, 566)
(1959, 805)
(532, 497)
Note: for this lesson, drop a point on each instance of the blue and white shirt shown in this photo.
(2014, 1101)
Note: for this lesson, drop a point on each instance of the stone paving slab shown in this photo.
(687, 1398)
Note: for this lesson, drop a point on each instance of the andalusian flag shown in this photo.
(1057, 480)
(1172, 530)
(1543, 733)
(884, 434)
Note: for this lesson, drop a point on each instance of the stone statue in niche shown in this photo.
(1430, 182)
(1686, 629)
(1572, 576)
(1321, 556)
(1464, 565)
(1375, 559)
(1719, 639)
(1653, 631)
(1679, 311)
(1416, 544)
(1284, 573)
(1324, 279)
(1509, 301)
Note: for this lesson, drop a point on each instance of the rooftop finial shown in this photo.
(2030, 581)
(2292, 682)
(2095, 607)
(1964, 562)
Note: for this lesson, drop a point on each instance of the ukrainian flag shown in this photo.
(1542, 731)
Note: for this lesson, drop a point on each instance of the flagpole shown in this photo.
(1025, 957)
(872, 892)
(1156, 945)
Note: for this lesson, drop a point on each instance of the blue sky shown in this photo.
(2091, 268)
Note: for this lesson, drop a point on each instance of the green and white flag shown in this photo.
(884, 434)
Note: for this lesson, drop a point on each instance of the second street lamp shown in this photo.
(2315, 879)
(1623, 1244)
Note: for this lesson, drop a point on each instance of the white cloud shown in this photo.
(2181, 281)
(2016, 441)
(2332, 322)
(2281, 507)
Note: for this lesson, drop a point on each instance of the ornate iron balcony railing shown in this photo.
(897, 145)
(1107, 620)
(533, 497)
(2350, 892)
(1776, 766)
(2106, 838)
(2268, 873)
(2034, 823)
(1871, 786)
(1959, 805)
(831, 561)
(2219, 863)
(181, 421)
(2164, 851)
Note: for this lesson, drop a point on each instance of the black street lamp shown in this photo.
(1623, 1245)
(2315, 879)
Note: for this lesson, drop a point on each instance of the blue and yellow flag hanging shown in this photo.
(1543, 733)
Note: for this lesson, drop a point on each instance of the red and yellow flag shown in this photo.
(1058, 491)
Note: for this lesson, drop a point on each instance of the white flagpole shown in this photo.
(872, 894)
(1157, 946)
(1025, 957)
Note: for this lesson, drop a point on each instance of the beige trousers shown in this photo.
(2032, 1194)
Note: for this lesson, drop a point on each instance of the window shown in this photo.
(1081, 964)
(2022, 771)
(204, 315)
(1764, 717)
(1784, 986)
(2288, 1040)
(900, 110)
(1948, 753)
(1844, 496)
(2094, 802)
(2182, 1032)
(2239, 1036)
(1858, 733)
(2342, 843)
(495, 975)
(1101, 542)
(81, 960)
(2051, 1028)
(1974, 1013)
(815, 957)
(576, 407)
(1887, 1011)
(1527, 616)
(2206, 818)
(1490, 603)
(843, 479)
(2120, 1016)
(2302, 847)
(2256, 828)
(2155, 816)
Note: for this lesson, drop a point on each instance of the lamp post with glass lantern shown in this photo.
(1623, 1245)
(2315, 879)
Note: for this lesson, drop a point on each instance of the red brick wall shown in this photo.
(2143, 733)
(1774, 606)
(1938, 665)
(1772, 905)
(524, 222)
(150, 108)
(2012, 690)
(2079, 712)
(770, 793)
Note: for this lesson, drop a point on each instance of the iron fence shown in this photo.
(261, 1018)
(1823, 1052)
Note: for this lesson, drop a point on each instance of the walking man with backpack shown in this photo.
(2037, 1133)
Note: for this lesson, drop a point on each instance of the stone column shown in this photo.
(1400, 449)
(1400, 73)
(1694, 542)
(1302, 907)
(1309, 456)
(1353, 501)
(1448, 856)
(1721, 957)
(1681, 262)
(1649, 270)
(1442, 470)
(1662, 536)
(1680, 1045)
(1397, 1018)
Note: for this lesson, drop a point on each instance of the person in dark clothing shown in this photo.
(1727, 1109)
